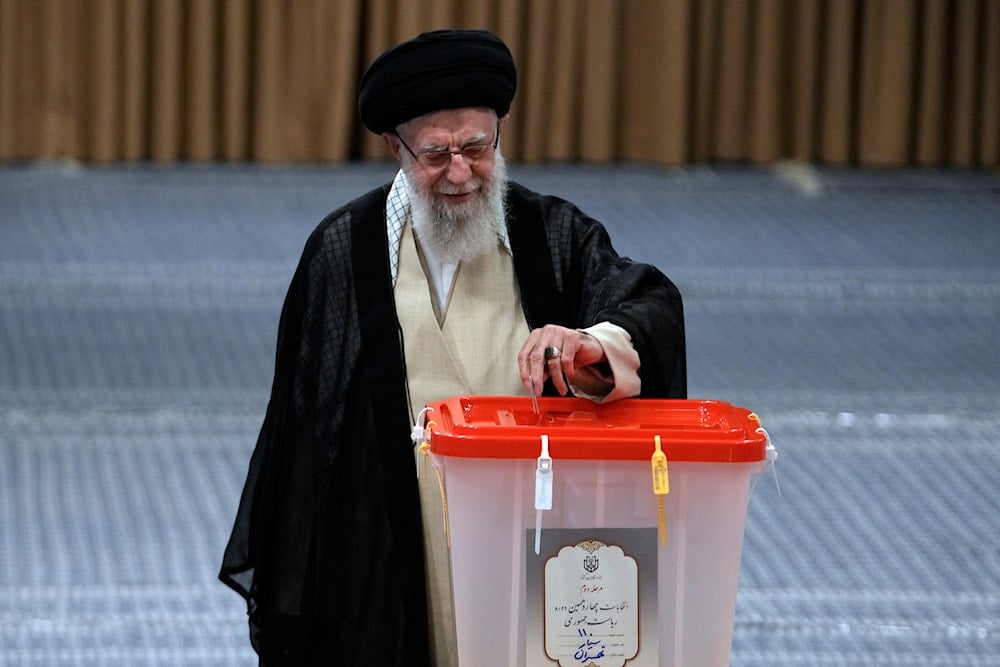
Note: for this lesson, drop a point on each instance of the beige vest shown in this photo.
(469, 349)
(473, 348)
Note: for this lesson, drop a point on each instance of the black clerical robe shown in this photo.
(327, 546)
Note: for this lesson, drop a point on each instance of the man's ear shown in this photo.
(392, 141)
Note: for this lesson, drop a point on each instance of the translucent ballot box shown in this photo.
(595, 535)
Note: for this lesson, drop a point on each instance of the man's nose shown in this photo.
(458, 170)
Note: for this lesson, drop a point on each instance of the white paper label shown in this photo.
(591, 606)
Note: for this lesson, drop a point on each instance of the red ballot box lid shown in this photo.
(505, 427)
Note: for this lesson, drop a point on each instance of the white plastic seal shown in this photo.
(543, 490)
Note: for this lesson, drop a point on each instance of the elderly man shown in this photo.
(449, 280)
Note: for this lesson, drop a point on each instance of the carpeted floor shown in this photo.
(856, 311)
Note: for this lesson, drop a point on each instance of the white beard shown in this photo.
(460, 231)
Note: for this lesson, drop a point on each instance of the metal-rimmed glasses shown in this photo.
(439, 159)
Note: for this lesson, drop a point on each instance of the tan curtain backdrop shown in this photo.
(840, 82)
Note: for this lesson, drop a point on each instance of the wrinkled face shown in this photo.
(468, 134)
(458, 180)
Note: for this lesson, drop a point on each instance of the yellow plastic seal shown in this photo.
(425, 449)
(661, 485)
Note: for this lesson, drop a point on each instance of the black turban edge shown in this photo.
(444, 69)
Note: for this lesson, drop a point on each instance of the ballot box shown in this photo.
(594, 535)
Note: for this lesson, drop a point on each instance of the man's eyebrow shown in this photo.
(481, 138)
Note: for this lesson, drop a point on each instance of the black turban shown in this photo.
(444, 69)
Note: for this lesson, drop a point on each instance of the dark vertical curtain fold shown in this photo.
(838, 82)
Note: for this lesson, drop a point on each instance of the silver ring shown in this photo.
(552, 352)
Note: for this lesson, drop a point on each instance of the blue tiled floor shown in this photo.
(856, 312)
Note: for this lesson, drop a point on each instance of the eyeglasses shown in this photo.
(440, 159)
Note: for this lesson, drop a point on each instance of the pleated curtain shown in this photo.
(671, 82)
